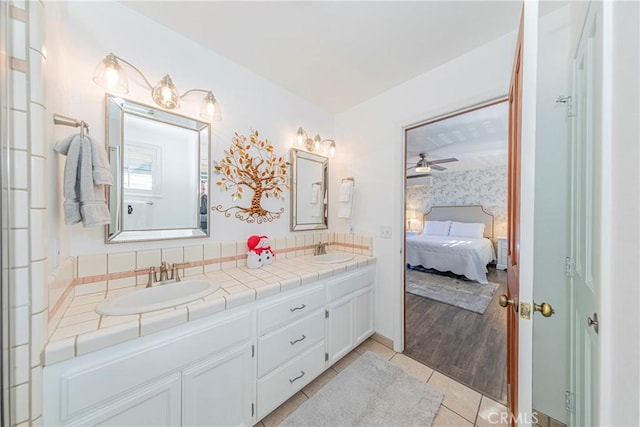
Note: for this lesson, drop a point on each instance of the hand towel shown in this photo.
(315, 193)
(345, 208)
(346, 189)
(83, 184)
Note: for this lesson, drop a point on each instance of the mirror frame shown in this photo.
(114, 232)
(302, 154)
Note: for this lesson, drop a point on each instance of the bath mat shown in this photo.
(369, 392)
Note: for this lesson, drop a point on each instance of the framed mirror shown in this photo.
(309, 191)
(160, 165)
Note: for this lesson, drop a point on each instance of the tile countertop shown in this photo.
(81, 330)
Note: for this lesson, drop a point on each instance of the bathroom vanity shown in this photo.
(229, 368)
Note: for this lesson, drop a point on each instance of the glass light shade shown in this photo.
(109, 75)
(300, 136)
(332, 148)
(316, 142)
(165, 93)
(210, 109)
(423, 169)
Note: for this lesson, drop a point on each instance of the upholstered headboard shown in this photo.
(470, 213)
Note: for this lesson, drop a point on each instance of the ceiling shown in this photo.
(478, 139)
(336, 54)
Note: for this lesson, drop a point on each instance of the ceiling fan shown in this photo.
(424, 166)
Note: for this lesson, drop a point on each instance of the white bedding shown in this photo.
(460, 255)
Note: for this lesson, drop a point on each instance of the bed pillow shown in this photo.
(466, 229)
(436, 228)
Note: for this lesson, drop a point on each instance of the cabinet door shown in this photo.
(219, 391)
(363, 319)
(341, 337)
(157, 404)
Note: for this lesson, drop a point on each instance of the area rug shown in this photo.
(369, 392)
(456, 291)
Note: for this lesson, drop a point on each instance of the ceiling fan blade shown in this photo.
(437, 168)
(419, 176)
(435, 162)
(412, 167)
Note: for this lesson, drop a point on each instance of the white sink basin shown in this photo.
(157, 297)
(331, 258)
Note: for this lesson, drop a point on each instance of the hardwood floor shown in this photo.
(466, 346)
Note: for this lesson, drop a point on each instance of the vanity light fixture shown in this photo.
(316, 144)
(110, 75)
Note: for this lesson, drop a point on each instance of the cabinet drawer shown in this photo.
(339, 287)
(284, 382)
(283, 344)
(283, 311)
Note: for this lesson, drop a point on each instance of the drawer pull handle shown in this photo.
(297, 378)
(298, 340)
(297, 308)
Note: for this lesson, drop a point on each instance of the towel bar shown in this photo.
(74, 123)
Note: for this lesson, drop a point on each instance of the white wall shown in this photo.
(82, 33)
(620, 293)
(550, 370)
(374, 147)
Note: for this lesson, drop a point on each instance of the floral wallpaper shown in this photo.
(486, 187)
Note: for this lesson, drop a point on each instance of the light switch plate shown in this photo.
(385, 231)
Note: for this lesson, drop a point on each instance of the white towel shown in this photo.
(315, 193)
(345, 208)
(86, 170)
(346, 189)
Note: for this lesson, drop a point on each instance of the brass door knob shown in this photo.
(504, 301)
(545, 309)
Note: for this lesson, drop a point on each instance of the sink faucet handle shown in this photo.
(153, 277)
(175, 274)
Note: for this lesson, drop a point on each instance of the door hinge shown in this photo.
(569, 401)
(326, 314)
(252, 409)
(569, 101)
(569, 266)
(326, 357)
(253, 351)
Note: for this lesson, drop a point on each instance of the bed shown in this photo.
(455, 239)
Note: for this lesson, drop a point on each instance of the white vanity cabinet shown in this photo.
(291, 344)
(200, 373)
(350, 304)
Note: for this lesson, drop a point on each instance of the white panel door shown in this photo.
(154, 405)
(340, 335)
(220, 390)
(363, 319)
(585, 239)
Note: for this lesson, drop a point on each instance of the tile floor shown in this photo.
(462, 406)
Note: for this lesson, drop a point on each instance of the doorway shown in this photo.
(453, 322)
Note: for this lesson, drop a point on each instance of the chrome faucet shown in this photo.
(320, 249)
(164, 271)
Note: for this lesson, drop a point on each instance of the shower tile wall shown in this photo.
(28, 211)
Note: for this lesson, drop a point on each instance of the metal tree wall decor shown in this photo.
(251, 164)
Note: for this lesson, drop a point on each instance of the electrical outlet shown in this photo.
(385, 231)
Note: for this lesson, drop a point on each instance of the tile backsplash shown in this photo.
(87, 274)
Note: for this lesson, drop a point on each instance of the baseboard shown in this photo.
(382, 340)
